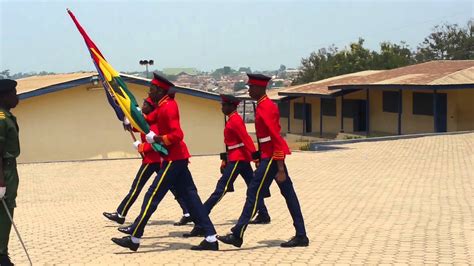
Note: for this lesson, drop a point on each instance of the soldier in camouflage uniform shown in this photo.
(9, 150)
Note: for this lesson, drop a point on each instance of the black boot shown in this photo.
(261, 219)
(204, 245)
(125, 229)
(126, 242)
(231, 240)
(113, 216)
(197, 231)
(183, 221)
(5, 260)
(296, 241)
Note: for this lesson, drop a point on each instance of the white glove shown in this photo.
(3, 190)
(126, 121)
(136, 144)
(150, 137)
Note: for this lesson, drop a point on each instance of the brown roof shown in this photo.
(441, 72)
(321, 87)
(272, 94)
(37, 82)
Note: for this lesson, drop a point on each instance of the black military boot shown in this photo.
(204, 245)
(126, 242)
(261, 219)
(113, 216)
(195, 232)
(296, 241)
(231, 240)
(125, 229)
(183, 221)
(5, 260)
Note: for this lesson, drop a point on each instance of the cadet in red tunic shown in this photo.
(174, 171)
(240, 150)
(151, 163)
(273, 149)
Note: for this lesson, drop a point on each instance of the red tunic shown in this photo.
(235, 134)
(167, 122)
(145, 148)
(267, 127)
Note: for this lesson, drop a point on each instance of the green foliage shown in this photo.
(448, 42)
(305, 147)
(225, 71)
(445, 42)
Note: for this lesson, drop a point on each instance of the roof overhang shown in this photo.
(403, 86)
(126, 78)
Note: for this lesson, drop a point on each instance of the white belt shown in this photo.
(265, 139)
(235, 146)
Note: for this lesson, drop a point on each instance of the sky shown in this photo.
(40, 36)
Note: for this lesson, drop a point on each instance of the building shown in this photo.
(67, 117)
(435, 96)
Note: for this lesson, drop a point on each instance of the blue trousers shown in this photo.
(226, 184)
(143, 174)
(262, 180)
(174, 174)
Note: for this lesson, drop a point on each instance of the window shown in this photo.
(328, 106)
(422, 103)
(390, 101)
(284, 108)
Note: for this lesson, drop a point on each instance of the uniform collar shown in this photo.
(5, 112)
(263, 98)
(163, 100)
(232, 114)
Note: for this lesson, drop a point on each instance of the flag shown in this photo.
(118, 95)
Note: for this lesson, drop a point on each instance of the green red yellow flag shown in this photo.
(116, 88)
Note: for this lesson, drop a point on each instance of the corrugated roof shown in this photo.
(321, 87)
(272, 94)
(37, 82)
(433, 73)
(39, 85)
(443, 72)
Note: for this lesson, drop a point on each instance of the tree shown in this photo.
(282, 68)
(245, 69)
(448, 42)
(5, 74)
(392, 56)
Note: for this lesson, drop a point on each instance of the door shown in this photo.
(441, 112)
(309, 119)
(360, 123)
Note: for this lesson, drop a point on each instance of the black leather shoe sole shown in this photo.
(204, 245)
(125, 230)
(230, 240)
(126, 243)
(114, 218)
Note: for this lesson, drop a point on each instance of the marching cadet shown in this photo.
(174, 172)
(9, 150)
(240, 152)
(273, 149)
(151, 163)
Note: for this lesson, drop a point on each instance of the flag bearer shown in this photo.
(273, 150)
(174, 171)
(9, 150)
(151, 163)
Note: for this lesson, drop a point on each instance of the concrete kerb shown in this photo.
(321, 145)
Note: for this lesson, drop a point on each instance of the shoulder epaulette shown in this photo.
(2, 115)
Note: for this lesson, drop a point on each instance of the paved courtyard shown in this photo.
(401, 201)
